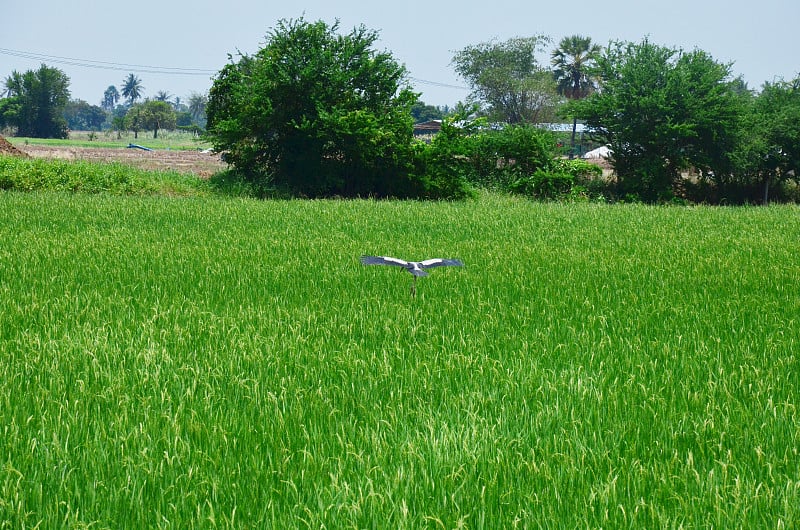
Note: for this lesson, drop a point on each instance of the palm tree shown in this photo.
(163, 95)
(572, 64)
(132, 88)
(13, 85)
(197, 107)
(110, 98)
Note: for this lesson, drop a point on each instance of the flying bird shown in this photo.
(416, 268)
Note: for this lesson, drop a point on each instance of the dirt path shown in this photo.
(197, 162)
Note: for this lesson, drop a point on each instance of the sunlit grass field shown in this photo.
(109, 139)
(224, 363)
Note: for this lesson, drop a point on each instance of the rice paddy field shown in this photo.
(228, 363)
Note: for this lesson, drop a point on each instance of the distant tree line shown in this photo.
(319, 113)
(37, 104)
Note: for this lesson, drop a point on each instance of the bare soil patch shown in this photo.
(200, 163)
(7, 148)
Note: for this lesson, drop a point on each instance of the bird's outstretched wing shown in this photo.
(440, 262)
(384, 260)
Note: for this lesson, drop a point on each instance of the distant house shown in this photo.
(427, 127)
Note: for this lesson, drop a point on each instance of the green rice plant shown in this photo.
(203, 362)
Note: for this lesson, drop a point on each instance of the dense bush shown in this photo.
(318, 114)
(544, 184)
(438, 170)
(473, 153)
(561, 178)
(519, 159)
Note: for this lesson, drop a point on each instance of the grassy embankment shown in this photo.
(205, 362)
(116, 178)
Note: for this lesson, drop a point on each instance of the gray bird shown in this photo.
(416, 268)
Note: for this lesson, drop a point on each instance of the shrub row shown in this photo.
(518, 159)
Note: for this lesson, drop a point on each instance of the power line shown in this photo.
(436, 83)
(107, 65)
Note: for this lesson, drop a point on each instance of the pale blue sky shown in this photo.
(760, 38)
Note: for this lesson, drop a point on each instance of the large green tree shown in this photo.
(153, 115)
(662, 111)
(573, 67)
(36, 106)
(507, 80)
(316, 112)
(770, 148)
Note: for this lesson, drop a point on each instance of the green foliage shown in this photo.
(152, 115)
(574, 63)
(544, 184)
(515, 150)
(36, 107)
(24, 174)
(9, 111)
(81, 116)
(451, 151)
(508, 80)
(197, 108)
(561, 179)
(439, 168)
(422, 112)
(110, 98)
(317, 113)
(769, 153)
(580, 169)
(662, 111)
(573, 66)
(184, 120)
(190, 364)
(133, 120)
(132, 88)
(471, 152)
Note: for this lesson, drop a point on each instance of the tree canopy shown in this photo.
(36, 103)
(316, 112)
(422, 112)
(81, 116)
(770, 146)
(661, 111)
(507, 79)
(155, 115)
